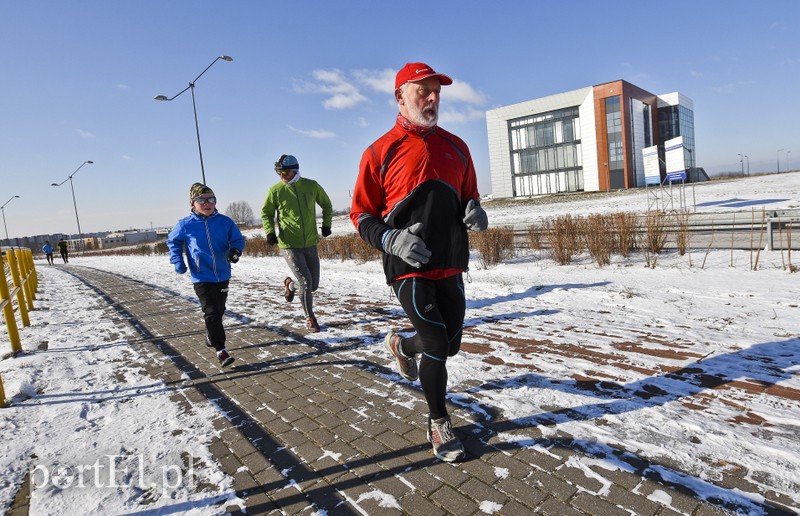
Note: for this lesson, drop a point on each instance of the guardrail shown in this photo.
(17, 264)
(773, 230)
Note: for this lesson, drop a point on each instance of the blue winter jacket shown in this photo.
(206, 241)
(47, 249)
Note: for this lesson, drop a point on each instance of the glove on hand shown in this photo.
(233, 255)
(180, 268)
(326, 231)
(272, 239)
(475, 217)
(405, 244)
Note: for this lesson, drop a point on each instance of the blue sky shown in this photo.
(314, 79)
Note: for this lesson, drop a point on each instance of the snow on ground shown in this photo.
(694, 368)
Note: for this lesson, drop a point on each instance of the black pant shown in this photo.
(213, 297)
(65, 256)
(436, 309)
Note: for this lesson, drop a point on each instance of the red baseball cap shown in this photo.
(418, 71)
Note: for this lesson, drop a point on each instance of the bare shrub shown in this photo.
(493, 245)
(656, 226)
(160, 248)
(625, 228)
(654, 237)
(347, 247)
(598, 235)
(682, 235)
(563, 236)
(257, 246)
(534, 237)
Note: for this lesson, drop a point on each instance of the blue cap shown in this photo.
(287, 162)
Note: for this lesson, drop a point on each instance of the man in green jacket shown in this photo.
(293, 200)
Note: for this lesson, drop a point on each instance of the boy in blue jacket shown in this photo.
(211, 242)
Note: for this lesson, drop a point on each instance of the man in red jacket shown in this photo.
(415, 197)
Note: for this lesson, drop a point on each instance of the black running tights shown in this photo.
(436, 310)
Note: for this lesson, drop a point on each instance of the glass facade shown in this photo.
(546, 153)
(616, 156)
(674, 121)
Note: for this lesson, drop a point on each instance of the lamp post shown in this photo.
(787, 160)
(75, 204)
(194, 107)
(741, 160)
(748, 163)
(779, 160)
(2, 209)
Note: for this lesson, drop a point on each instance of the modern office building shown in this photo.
(589, 139)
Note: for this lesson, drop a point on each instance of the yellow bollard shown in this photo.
(24, 273)
(8, 312)
(21, 303)
(26, 259)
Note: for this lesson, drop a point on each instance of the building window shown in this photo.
(616, 156)
(546, 153)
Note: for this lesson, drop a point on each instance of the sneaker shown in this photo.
(311, 325)
(224, 358)
(288, 293)
(208, 342)
(446, 445)
(406, 366)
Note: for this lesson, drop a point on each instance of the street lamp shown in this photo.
(75, 204)
(787, 160)
(748, 163)
(2, 209)
(779, 160)
(194, 107)
(741, 160)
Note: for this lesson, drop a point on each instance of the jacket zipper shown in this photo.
(211, 249)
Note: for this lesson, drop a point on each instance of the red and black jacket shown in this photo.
(412, 175)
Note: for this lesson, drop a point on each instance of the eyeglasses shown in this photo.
(205, 200)
(284, 172)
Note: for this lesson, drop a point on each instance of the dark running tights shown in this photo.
(436, 310)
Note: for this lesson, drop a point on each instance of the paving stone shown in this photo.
(453, 501)
(302, 430)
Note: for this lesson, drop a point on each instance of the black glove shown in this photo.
(233, 255)
(272, 239)
(326, 231)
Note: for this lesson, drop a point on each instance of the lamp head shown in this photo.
(90, 162)
(226, 58)
(53, 184)
(161, 97)
(16, 196)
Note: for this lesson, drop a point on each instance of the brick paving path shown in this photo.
(305, 427)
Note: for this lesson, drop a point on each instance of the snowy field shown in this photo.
(608, 355)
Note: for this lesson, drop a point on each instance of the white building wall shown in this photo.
(497, 132)
(675, 99)
(591, 166)
(637, 109)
